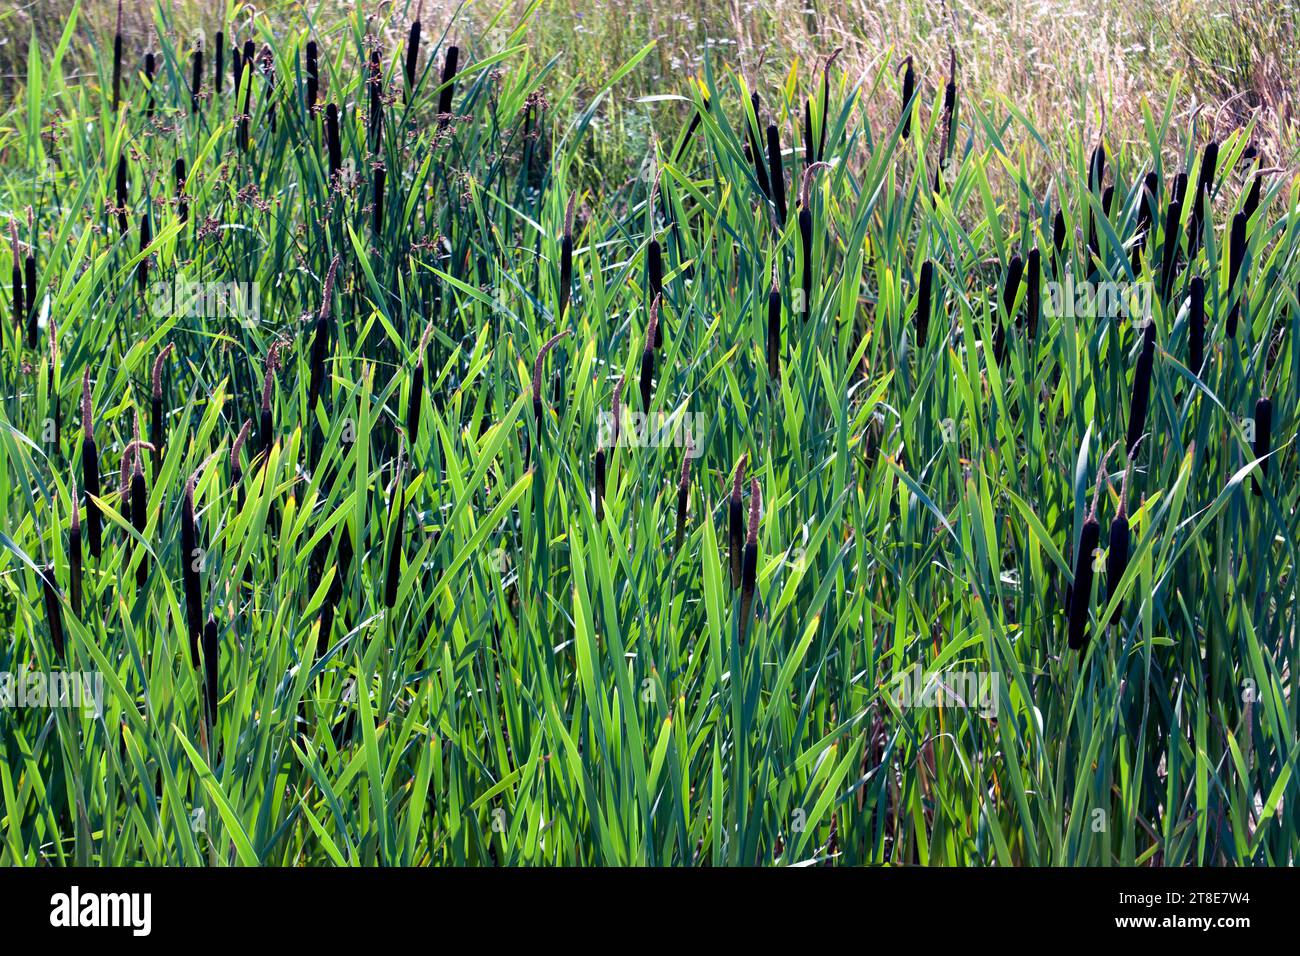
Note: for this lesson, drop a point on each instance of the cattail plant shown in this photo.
(648, 358)
(776, 171)
(380, 175)
(332, 144)
(211, 663)
(149, 64)
(244, 115)
(266, 429)
(1010, 289)
(1137, 416)
(774, 330)
(146, 237)
(1170, 261)
(90, 469)
(826, 101)
(806, 233)
(182, 201)
(537, 380)
(140, 501)
(598, 492)
(20, 306)
(413, 51)
(237, 469)
(909, 91)
(1204, 187)
(616, 408)
(755, 148)
(191, 560)
(448, 88)
(219, 62)
(53, 609)
(1236, 256)
(924, 300)
(1117, 549)
(1058, 239)
(416, 396)
(736, 520)
(33, 299)
(1263, 441)
(121, 194)
(655, 278)
(320, 343)
(949, 112)
(396, 522)
(749, 564)
(117, 59)
(691, 127)
(196, 79)
(1196, 324)
(313, 75)
(75, 557)
(683, 495)
(237, 72)
(157, 424)
(1080, 592)
(566, 257)
(809, 147)
(1146, 216)
(1033, 292)
(1180, 188)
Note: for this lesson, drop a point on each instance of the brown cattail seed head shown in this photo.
(85, 402)
(653, 324)
(239, 443)
(272, 363)
(157, 369)
(755, 510)
(537, 365)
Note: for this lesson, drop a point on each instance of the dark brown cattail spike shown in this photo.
(53, 610)
(1010, 289)
(1236, 256)
(244, 116)
(412, 55)
(806, 236)
(809, 147)
(375, 83)
(924, 306)
(826, 102)
(121, 195)
(1204, 186)
(20, 306)
(267, 429)
(117, 59)
(33, 302)
(683, 496)
(1058, 239)
(196, 80)
(1033, 292)
(1146, 217)
(776, 171)
(1137, 416)
(236, 71)
(598, 493)
(333, 146)
(736, 520)
(949, 114)
(90, 469)
(1196, 324)
(1170, 262)
(774, 332)
(749, 565)
(313, 75)
(75, 553)
(448, 91)
(211, 664)
(1117, 549)
(756, 150)
(566, 258)
(1263, 441)
(219, 63)
(648, 358)
(1080, 593)
(191, 561)
(396, 522)
(157, 425)
(182, 201)
(655, 276)
(149, 63)
(140, 505)
(142, 267)
(381, 174)
(909, 90)
(320, 343)
(1180, 188)
(417, 391)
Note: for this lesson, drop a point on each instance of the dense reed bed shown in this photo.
(412, 576)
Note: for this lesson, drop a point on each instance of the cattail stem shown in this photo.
(396, 522)
(736, 521)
